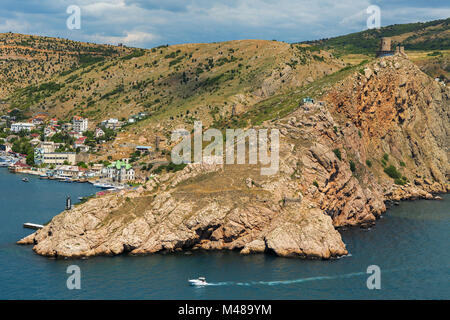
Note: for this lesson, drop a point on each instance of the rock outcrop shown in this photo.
(332, 172)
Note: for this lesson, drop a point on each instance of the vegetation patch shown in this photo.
(337, 152)
(392, 172)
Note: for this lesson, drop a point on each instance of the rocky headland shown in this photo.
(377, 137)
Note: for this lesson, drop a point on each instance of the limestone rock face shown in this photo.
(332, 160)
(305, 233)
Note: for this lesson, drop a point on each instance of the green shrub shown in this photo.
(352, 166)
(171, 167)
(134, 54)
(402, 164)
(315, 184)
(369, 163)
(385, 157)
(392, 172)
(337, 152)
(401, 181)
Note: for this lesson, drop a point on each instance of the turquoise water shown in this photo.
(410, 245)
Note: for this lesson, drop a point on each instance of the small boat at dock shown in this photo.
(34, 226)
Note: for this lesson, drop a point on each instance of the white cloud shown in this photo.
(152, 22)
(14, 26)
(131, 38)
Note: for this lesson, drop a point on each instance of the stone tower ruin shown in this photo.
(385, 48)
(385, 44)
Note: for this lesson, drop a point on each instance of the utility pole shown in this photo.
(157, 140)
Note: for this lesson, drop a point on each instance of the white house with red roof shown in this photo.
(99, 133)
(79, 143)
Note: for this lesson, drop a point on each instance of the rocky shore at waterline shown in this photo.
(379, 136)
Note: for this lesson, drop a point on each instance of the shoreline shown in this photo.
(29, 240)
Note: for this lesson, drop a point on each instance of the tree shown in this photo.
(30, 159)
(82, 164)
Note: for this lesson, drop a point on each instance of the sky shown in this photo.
(149, 23)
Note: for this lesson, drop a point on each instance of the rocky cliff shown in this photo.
(380, 135)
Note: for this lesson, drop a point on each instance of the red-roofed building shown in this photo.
(39, 119)
(79, 143)
(74, 134)
(18, 166)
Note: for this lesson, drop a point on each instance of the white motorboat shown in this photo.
(6, 162)
(103, 185)
(201, 281)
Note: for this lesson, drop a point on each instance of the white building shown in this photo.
(79, 124)
(54, 158)
(19, 126)
(112, 123)
(99, 133)
(69, 171)
(49, 146)
(119, 171)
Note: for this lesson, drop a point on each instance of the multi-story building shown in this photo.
(54, 158)
(49, 146)
(22, 126)
(119, 171)
(69, 171)
(79, 124)
(112, 123)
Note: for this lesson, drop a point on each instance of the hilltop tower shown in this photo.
(385, 44)
(385, 48)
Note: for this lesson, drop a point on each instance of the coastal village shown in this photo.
(64, 151)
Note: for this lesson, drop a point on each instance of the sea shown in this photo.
(406, 255)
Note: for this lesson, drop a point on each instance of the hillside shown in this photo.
(428, 36)
(177, 76)
(27, 60)
(229, 84)
(427, 44)
(176, 85)
(379, 135)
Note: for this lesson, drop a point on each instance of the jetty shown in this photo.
(32, 226)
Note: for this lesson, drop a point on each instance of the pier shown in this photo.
(32, 226)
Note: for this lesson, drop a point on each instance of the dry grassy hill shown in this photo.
(427, 44)
(27, 60)
(177, 85)
(228, 84)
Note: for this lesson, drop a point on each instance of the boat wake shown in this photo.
(285, 282)
(318, 278)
